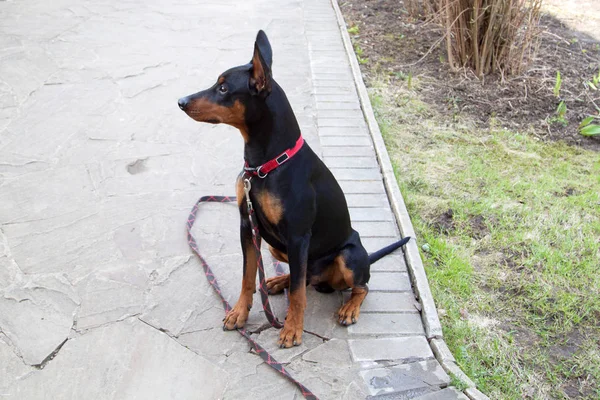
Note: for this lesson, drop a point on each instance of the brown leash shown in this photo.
(256, 240)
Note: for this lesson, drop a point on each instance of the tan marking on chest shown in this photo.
(270, 206)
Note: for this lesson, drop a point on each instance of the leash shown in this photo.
(256, 240)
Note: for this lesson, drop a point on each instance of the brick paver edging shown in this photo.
(429, 315)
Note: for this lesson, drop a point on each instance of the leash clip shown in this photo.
(247, 187)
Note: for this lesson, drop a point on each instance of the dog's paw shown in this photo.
(236, 317)
(276, 284)
(290, 335)
(348, 313)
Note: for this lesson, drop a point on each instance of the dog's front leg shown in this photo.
(291, 334)
(236, 318)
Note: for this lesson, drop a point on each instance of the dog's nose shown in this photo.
(183, 102)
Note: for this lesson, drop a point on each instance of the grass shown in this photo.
(511, 231)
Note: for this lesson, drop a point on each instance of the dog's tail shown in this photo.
(374, 257)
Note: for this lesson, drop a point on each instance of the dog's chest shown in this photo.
(269, 211)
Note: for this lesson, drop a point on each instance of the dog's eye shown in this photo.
(222, 89)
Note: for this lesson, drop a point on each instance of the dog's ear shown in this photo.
(260, 76)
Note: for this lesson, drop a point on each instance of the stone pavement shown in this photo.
(100, 296)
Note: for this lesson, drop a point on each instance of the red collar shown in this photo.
(262, 170)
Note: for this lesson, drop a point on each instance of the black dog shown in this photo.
(300, 207)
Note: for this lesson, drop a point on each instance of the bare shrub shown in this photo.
(486, 35)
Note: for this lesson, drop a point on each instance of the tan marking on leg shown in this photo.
(276, 284)
(349, 312)
(279, 255)
(291, 334)
(340, 277)
(236, 318)
(271, 206)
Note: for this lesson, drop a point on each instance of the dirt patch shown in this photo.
(479, 228)
(445, 222)
(403, 49)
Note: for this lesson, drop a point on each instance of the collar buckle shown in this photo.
(282, 158)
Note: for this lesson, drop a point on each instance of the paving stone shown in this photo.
(337, 90)
(320, 316)
(347, 132)
(356, 174)
(128, 359)
(334, 352)
(364, 188)
(11, 367)
(214, 343)
(328, 382)
(375, 228)
(340, 83)
(178, 297)
(389, 282)
(336, 76)
(240, 364)
(335, 151)
(331, 67)
(388, 324)
(354, 392)
(406, 349)
(326, 104)
(351, 162)
(445, 394)
(391, 263)
(345, 141)
(406, 395)
(336, 98)
(366, 200)
(406, 378)
(360, 214)
(37, 314)
(111, 294)
(382, 302)
(265, 384)
(339, 122)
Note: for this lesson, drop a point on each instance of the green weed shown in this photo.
(557, 84)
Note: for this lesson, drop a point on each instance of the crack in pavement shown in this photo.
(174, 338)
(50, 356)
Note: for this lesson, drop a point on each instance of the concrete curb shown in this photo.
(429, 315)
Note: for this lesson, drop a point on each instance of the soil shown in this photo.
(397, 45)
(445, 222)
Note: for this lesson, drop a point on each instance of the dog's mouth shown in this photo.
(201, 117)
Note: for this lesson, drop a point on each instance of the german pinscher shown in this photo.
(300, 207)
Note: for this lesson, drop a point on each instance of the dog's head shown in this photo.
(238, 96)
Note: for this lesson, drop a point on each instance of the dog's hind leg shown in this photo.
(351, 270)
(277, 284)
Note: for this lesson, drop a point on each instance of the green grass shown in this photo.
(515, 265)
